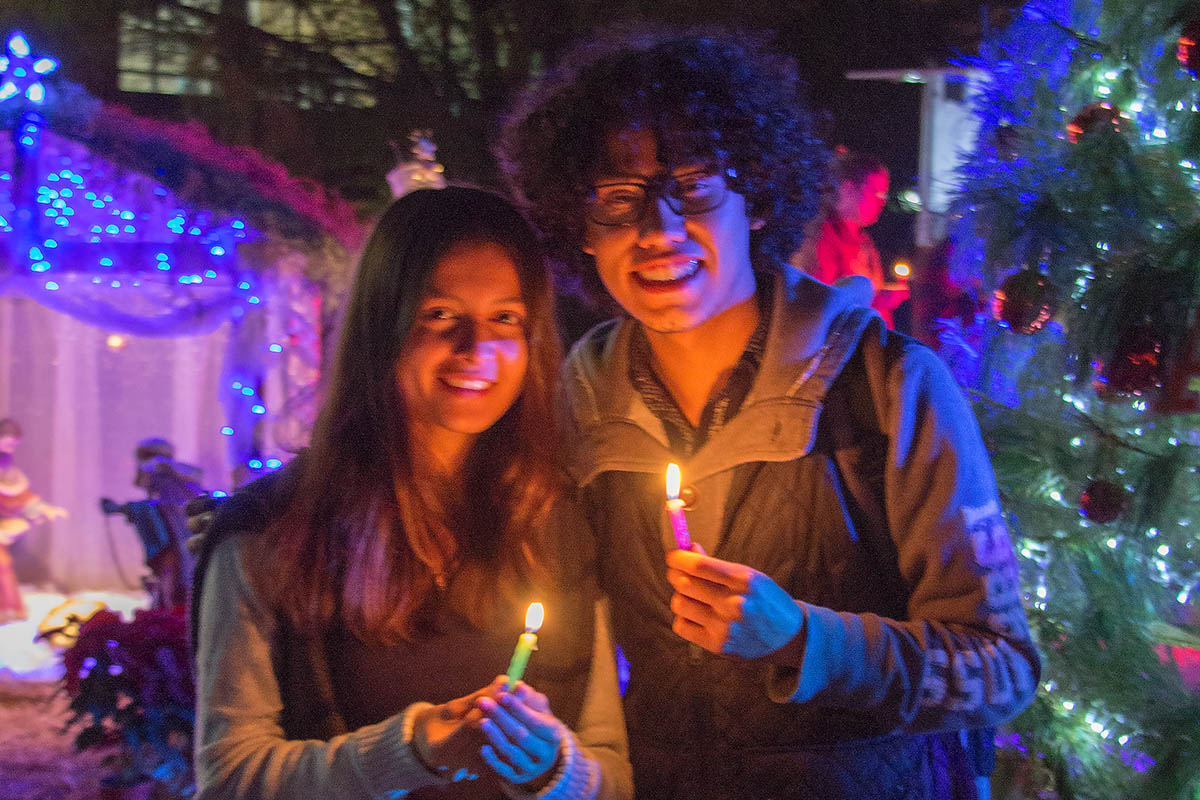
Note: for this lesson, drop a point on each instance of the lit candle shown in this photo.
(683, 538)
(526, 643)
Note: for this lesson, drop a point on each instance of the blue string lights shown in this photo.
(117, 248)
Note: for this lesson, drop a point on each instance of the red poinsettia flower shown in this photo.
(131, 685)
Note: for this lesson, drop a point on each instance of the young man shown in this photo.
(852, 604)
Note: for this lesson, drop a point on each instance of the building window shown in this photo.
(164, 53)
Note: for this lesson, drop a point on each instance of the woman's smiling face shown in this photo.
(463, 364)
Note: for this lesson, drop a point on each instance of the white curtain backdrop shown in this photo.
(83, 406)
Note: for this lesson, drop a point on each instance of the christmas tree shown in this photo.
(1080, 215)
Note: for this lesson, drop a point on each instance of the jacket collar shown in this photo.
(814, 330)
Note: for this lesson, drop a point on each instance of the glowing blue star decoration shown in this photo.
(21, 73)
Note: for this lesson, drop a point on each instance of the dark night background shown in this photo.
(349, 149)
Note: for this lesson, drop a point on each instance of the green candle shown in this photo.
(526, 643)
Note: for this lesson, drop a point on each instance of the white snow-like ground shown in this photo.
(24, 658)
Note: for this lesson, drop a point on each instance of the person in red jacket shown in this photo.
(836, 244)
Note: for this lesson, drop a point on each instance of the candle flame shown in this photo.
(902, 270)
(534, 617)
(673, 481)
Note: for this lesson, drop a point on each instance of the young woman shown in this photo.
(348, 641)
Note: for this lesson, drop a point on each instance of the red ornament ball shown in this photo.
(1188, 50)
(1096, 117)
(1135, 365)
(1102, 501)
(1025, 302)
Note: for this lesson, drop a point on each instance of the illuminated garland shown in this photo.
(154, 229)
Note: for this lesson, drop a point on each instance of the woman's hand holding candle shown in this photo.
(447, 737)
(679, 526)
(511, 734)
(524, 736)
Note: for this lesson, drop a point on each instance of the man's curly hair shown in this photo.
(707, 96)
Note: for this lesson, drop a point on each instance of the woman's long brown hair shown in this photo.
(363, 539)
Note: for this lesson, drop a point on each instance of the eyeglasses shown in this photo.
(624, 202)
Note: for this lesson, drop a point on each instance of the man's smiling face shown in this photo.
(669, 271)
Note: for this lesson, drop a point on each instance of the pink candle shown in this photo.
(683, 538)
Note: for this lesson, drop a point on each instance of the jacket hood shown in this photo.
(814, 329)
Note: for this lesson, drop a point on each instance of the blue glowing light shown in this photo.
(227, 431)
(217, 250)
(254, 463)
(51, 285)
(274, 463)
(246, 390)
(106, 262)
(257, 409)
(219, 493)
(21, 74)
(18, 45)
(276, 348)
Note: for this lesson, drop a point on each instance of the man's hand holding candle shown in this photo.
(729, 608)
